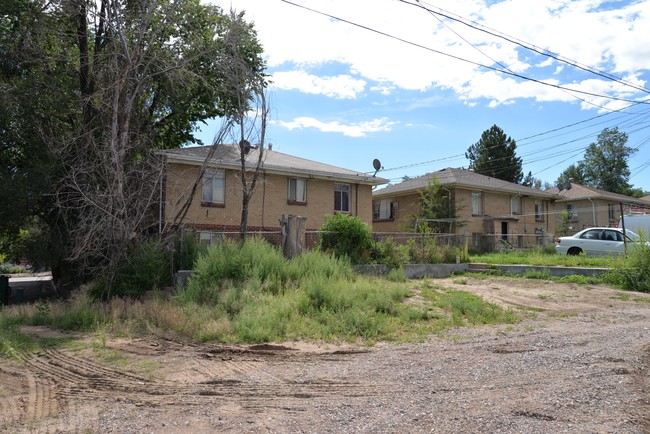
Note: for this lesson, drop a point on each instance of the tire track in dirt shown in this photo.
(56, 384)
(12, 397)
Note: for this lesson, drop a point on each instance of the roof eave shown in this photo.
(281, 170)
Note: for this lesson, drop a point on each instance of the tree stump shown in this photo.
(293, 235)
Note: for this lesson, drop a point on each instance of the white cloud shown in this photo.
(360, 129)
(341, 86)
(299, 42)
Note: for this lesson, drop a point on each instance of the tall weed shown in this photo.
(636, 275)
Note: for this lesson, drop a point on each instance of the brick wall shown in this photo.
(268, 204)
(522, 227)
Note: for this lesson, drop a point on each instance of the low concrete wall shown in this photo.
(553, 271)
(414, 271)
(418, 271)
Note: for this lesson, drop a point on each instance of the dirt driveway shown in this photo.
(581, 364)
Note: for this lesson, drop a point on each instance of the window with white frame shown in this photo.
(297, 190)
(341, 197)
(477, 203)
(383, 209)
(515, 204)
(214, 187)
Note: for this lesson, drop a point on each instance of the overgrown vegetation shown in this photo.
(146, 267)
(248, 292)
(345, 235)
(543, 258)
(635, 274)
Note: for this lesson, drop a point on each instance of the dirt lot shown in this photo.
(581, 365)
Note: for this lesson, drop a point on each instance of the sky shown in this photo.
(414, 84)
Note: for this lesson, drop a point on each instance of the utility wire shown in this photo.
(505, 70)
(523, 44)
(415, 44)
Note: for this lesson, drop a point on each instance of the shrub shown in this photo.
(345, 235)
(231, 262)
(636, 276)
(428, 251)
(390, 254)
(146, 267)
(186, 250)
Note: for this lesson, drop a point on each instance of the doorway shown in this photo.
(504, 231)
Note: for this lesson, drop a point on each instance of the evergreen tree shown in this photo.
(495, 155)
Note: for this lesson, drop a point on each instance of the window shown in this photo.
(595, 234)
(573, 211)
(383, 209)
(297, 190)
(214, 186)
(611, 213)
(342, 197)
(477, 203)
(515, 204)
(539, 211)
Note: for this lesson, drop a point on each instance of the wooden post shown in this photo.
(293, 235)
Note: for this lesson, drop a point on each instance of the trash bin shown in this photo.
(4, 290)
(20, 296)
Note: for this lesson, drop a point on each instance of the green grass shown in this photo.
(264, 298)
(536, 257)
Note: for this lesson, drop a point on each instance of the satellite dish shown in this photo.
(560, 187)
(567, 185)
(377, 165)
(245, 145)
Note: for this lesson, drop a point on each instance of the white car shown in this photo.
(595, 242)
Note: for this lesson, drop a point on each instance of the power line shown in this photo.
(503, 71)
(507, 72)
(530, 47)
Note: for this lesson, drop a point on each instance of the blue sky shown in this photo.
(415, 83)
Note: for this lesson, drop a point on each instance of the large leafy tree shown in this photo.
(495, 155)
(605, 163)
(93, 89)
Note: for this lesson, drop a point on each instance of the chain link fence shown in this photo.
(476, 243)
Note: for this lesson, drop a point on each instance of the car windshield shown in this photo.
(632, 235)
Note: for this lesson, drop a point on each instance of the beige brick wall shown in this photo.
(268, 204)
(590, 213)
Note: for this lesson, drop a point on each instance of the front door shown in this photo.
(504, 231)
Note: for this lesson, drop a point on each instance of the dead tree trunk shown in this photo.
(293, 235)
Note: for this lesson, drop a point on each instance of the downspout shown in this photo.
(356, 199)
(523, 214)
(263, 198)
(593, 210)
(449, 207)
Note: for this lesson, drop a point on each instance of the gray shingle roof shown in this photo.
(583, 192)
(453, 177)
(227, 156)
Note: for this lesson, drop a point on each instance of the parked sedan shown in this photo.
(595, 242)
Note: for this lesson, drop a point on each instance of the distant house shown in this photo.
(591, 207)
(482, 207)
(286, 185)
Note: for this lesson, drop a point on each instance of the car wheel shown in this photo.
(574, 251)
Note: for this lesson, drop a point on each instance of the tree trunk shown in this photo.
(293, 235)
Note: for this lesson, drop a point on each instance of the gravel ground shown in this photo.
(580, 365)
